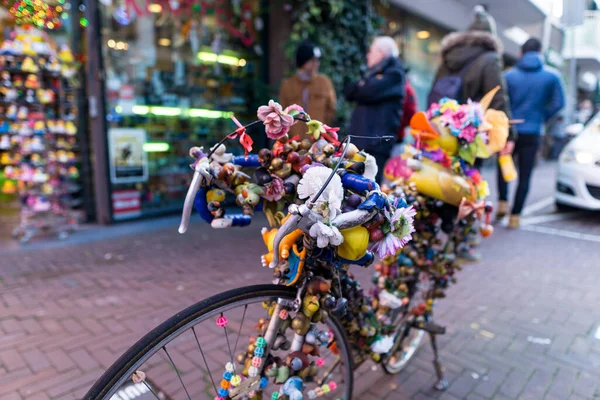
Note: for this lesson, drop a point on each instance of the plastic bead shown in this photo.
(261, 342)
(283, 314)
(263, 383)
(256, 362)
(229, 367)
(320, 362)
(252, 371)
(312, 394)
(225, 384)
(259, 351)
(275, 396)
(223, 392)
(326, 389)
(219, 398)
(222, 321)
(332, 385)
(227, 375)
(236, 380)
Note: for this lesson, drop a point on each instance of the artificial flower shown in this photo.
(475, 112)
(312, 181)
(483, 190)
(326, 235)
(277, 123)
(245, 139)
(468, 133)
(475, 175)
(331, 134)
(294, 109)
(315, 128)
(433, 111)
(274, 190)
(400, 231)
(447, 103)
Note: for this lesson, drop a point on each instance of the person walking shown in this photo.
(309, 89)
(536, 95)
(472, 66)
(379, 97)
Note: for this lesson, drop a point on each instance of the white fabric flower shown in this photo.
(383, 345)
(311, 183)
(326, 235)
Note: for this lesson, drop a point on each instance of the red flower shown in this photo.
(476, 176)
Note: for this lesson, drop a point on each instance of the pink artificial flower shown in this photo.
(274, 190)
(468, 133)
(277, 123)
(331, 131)
(294, 107)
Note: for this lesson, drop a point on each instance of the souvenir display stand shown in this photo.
(37, 132)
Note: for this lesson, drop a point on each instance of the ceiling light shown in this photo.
(155, 8)
(516, 34)
(423, 34)
(156, 147)
(111, 44)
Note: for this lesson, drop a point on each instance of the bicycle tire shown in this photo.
(122, 369)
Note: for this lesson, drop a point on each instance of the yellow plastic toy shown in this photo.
(355, 244)
(9, 187)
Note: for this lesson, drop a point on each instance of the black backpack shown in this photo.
(449, 86)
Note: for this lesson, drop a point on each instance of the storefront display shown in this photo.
(419, 43)
(38, 146)
(176, 71)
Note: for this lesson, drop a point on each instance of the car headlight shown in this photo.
(580, 157)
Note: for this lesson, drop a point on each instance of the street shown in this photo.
(521, 324)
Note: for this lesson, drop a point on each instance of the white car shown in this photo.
(578, 177)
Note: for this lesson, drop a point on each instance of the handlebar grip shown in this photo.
(227, 221)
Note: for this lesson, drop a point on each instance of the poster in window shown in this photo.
(128, 160)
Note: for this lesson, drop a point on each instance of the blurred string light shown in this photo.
(35, 12)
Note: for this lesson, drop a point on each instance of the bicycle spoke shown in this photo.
(152, 390)
(228, 344)
(240, 330)
(177, 371)
(205, 362)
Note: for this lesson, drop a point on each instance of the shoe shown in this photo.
(515, 221)
(502, 210)
(469, 255)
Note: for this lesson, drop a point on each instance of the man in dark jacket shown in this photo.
(379, 98)
(536, 95)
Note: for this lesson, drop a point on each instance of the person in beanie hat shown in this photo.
(475, 56)
(312, 91)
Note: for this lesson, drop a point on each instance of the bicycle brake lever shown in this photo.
(200, 175)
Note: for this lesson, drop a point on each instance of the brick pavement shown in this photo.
(521, 324)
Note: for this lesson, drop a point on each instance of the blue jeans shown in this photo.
(526, 149)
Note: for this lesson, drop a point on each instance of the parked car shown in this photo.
(578, 177)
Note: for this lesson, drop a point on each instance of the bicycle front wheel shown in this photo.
(190, 355)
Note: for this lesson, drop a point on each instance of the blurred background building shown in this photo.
(176, 70)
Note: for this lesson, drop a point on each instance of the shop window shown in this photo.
(175, 73)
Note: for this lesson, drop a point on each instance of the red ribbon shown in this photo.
(245, 139)
(467, 207)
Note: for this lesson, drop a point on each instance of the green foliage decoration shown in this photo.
(343, 30)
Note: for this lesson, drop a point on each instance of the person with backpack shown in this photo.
(379, 97)
(471, 66)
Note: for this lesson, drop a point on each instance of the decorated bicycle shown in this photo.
(314, 325)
